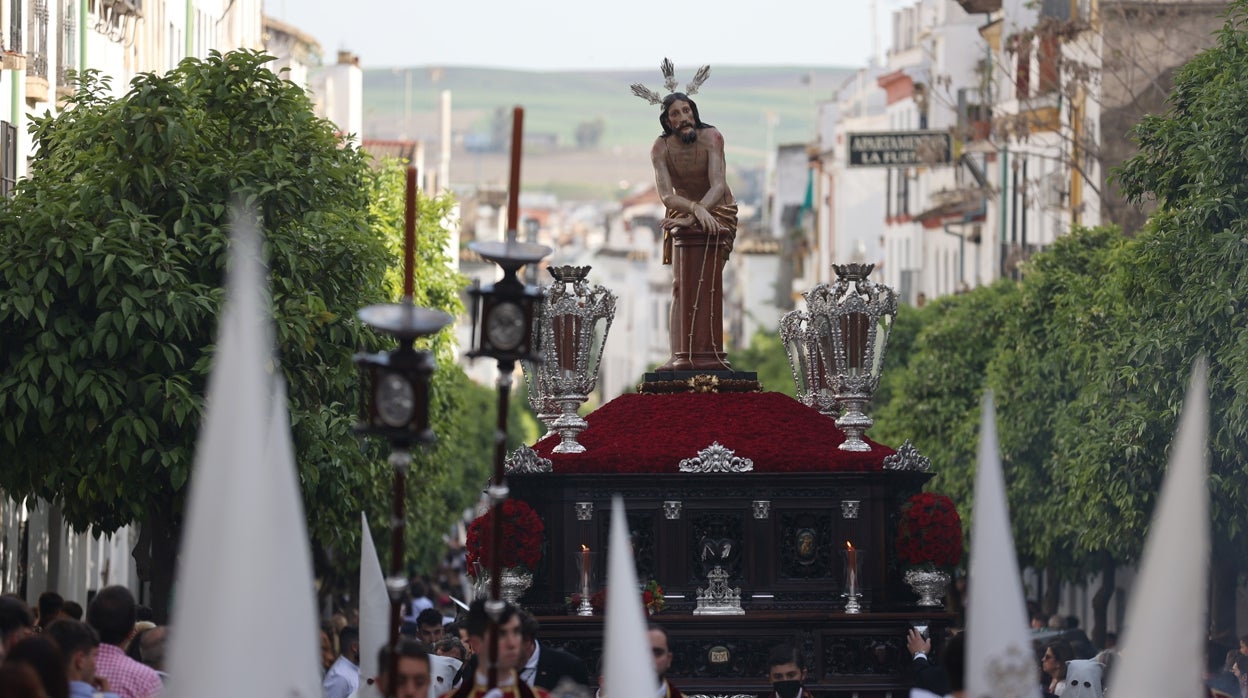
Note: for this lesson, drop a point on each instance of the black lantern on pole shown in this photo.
(502, 328)
(397, 409)
(396, 402)
(397, 382)
(503, 312)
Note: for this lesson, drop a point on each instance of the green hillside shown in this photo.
(735, 99)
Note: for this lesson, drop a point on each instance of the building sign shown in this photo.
(900, 149)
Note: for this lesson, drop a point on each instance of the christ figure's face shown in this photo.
(683, 123)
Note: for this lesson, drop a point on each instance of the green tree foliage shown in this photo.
(437, 284)
(766, 356)
(934, 399)
(112, 277)
(901, 344)
(1091, 354)
(111, 282)
(1049, 362)
(1188, 278)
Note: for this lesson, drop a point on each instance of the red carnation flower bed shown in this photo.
(930, 531)
(521, 544)
(642, 433)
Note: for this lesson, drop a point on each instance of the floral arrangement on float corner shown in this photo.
(520, 547)
(652, 597)
(929, 541)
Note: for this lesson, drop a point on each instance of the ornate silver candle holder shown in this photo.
(851, 602)
(536, 381)
(852, 319)
(801, 342)
(573, 327)
(587, 579)
(852, 558)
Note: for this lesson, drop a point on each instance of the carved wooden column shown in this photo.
(697, 321)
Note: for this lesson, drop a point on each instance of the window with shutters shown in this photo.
(8, 158)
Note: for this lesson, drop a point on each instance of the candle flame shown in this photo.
(849, 546)
(584, 548)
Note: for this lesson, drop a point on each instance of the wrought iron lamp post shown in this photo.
(571, 348)
(502, 328)
(397, 402)
(851, 319)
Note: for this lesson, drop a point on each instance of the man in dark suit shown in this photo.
(662, 652)
(545, 666)
(930, 678)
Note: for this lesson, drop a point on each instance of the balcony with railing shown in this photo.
(66, 48)
(1067, 10)
(115, 19)
(14, 44)
(37, 52)
(980, 6)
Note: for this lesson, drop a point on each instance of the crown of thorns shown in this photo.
(669, 81)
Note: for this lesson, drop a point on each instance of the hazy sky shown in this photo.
(572, 34)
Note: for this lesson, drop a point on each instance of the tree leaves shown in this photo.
(110, 285)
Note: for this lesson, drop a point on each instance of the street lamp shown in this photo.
(396, 406)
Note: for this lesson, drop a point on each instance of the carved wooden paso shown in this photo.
(788, 566)
(789, 560)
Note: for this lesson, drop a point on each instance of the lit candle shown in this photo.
(584, 570)
(851, 567)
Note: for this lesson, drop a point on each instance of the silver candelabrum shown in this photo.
(537, 382)
(573, 326)
(801, 342)
(851, 319)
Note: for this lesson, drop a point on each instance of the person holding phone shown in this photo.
(930, 678)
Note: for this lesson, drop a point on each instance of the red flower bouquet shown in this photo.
(930, 531)
(521, 545)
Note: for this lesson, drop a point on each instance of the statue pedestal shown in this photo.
(697, 320)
